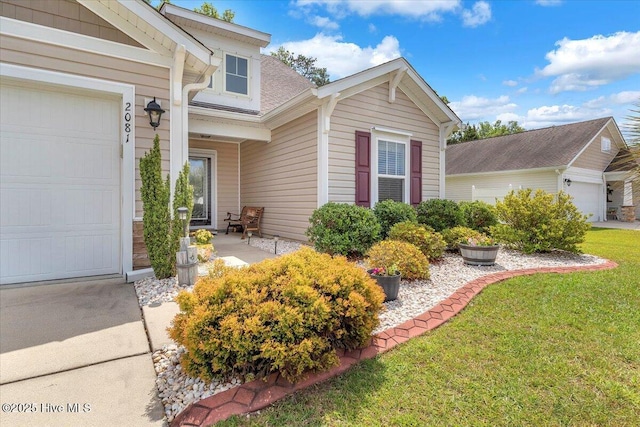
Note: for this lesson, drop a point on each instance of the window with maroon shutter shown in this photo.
(363, 169)
(416, 172)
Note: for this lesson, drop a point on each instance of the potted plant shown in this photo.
(481, 250)
(388, 279)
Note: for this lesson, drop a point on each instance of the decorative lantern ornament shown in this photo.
(155, 113)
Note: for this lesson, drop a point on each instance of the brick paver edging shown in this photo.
(258, 394)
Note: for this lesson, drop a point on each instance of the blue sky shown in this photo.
(540, 62)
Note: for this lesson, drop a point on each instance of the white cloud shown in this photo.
(585, 64)
(478, 15)
(561, 114)
(522, 89)
(429, 10)
(323, 22)
(549, 2)
(343, 58)
(510, 83)
(372, 28)
(620, 98)
(508, 117)
(478, 108)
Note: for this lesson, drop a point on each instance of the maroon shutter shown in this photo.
(416, 172)
(363, 168)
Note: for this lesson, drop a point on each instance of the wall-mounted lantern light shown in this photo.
(155, 113)
(568, 182)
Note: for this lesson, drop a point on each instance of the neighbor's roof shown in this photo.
(624, 161)
(279, 83)
(554, 146)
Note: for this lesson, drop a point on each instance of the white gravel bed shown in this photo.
(177, 390)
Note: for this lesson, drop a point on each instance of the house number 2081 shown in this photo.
(127, 120)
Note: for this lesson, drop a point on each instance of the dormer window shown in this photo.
(605, 144)
(236, 75)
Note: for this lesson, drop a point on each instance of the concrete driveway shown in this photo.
(75, 353)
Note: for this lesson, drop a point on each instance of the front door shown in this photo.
(201, 176)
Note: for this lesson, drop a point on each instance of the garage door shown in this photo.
(586, 197)
(60, 184)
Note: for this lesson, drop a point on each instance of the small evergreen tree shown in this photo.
(182, 197)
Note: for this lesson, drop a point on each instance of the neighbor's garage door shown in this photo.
(60, 184)
(586, 197)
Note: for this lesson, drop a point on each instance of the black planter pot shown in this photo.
(389, 284)
(479, 255)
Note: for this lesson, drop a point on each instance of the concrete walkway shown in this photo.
(78, 352)
(617, 224)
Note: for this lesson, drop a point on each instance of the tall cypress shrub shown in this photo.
(182, 197)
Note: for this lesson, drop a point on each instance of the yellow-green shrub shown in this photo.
(456, 235)
(411, 263)
(287, 314)
(430, 242)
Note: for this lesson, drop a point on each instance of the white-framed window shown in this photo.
(236, 74)
(605, 144)
(392, 170)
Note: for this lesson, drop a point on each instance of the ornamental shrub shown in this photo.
(430, 242)
(478, 215)
(342, 229)
(288, 314)
(182, 197)
(456, 235)
(390, 212)
(203, 236)
(407, 257)
(439, 214)
(540, 222)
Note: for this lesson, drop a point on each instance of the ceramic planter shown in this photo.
(479, 255)
(389, 284)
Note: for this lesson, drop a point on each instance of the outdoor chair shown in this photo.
(248, 220)
(612, 213)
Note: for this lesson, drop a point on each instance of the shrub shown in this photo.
(338, 228)
(390, 212)
(439, 214)
(407, 257)
(287, 314)
(478, 215)
(203, 237)
(182, 197)
(540, 222)
(456, 235)
(430, 243)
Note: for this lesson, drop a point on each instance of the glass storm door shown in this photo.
(200, 178)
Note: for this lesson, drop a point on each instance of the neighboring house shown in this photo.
(582, 159)
(76, 77)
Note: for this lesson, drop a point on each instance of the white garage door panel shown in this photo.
(586, 197)
(60, 202)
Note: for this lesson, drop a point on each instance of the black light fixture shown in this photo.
(155, 112)
(568, 182)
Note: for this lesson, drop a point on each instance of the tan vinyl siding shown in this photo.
(458, 188)
(593, 157)
(227, 187)
(281, 176)
(64, 15)
(149, 81)
(362, 112)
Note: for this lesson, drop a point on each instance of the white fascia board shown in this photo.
(346, 83)
(231, 130)
(224, 115)
(584, 175)
(507, 172)
(164, 25)
(617, 176)
(56, 37)
(297, 106)
(434, 96)
(261, 39)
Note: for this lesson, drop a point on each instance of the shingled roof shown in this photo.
(279, 83)
(554, 146)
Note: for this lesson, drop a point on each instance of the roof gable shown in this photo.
(279, 83)
(555, 146)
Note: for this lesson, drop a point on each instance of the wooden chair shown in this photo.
(249, 220)
(612, 213)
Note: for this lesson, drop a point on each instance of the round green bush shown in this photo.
(407, 257)
(430, 242)
(479, 215)
(540, 222)
(456, 235)
(339, 228)
(439, 214)
(390, 212)
(288, 314)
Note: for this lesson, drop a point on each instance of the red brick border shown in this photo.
(258, 394)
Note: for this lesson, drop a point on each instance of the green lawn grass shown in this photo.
(543, 350)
